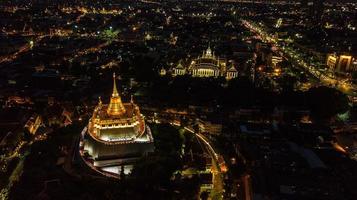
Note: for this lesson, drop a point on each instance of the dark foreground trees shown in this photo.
(324, 102)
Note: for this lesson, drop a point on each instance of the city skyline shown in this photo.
(208, 100)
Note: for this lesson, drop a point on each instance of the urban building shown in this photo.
(33, 123)
(341, 63)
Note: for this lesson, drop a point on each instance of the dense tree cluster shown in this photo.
(323, 102)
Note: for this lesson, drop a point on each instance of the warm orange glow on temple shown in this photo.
(116, 133)
(115, 106)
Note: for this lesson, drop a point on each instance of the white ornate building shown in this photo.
(206, 65)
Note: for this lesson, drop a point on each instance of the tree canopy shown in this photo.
(325, 102)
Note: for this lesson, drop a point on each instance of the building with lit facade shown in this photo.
(33, 123)
(116, 135)
(341, 63)
(206, 65)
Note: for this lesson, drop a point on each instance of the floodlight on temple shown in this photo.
(116, 134)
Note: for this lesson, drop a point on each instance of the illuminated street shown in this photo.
(295, 56)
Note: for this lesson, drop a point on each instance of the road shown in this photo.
(24, 48)
(173, 117)
(217, 175)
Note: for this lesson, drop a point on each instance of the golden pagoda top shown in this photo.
(115, 107)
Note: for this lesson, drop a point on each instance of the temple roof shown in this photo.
(232, 69)
(179, 66)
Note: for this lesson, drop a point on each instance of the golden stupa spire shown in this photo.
(115, 106)
(115, 90)
(99, 101)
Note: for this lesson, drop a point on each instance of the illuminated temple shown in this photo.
(116, 134)
(206, 65)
